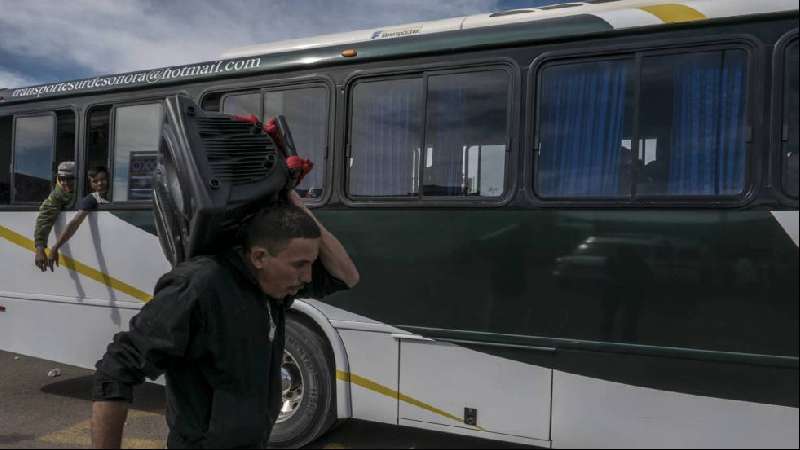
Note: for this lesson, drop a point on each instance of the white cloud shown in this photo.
(10, 80)
(120, 36)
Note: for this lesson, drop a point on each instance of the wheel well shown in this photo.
(311, 324)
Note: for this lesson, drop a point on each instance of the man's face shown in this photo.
(287, 272)
(99, 183)
(67, 184)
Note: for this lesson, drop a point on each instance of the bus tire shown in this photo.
(316, 412)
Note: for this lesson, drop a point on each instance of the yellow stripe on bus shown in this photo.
(674, 13)
(383, 390)
(78, 267)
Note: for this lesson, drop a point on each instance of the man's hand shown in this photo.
(53, 258)
(41, 259)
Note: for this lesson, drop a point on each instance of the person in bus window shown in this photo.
(216, 327)
(58, 200)
(98, 181)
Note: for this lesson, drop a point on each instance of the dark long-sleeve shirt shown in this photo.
(220, 341)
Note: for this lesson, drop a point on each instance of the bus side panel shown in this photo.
(373, 359)
(712, 280)
(653, 282)
(111, 258)
(71, 314)
(596, 413)
(508, 397)
(68, 333)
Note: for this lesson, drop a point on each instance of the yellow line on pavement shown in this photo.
(77, 266)
(674, 13)
(79, 435)
(383, 390)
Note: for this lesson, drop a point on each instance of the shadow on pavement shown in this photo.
(359, 434)
(9, 439)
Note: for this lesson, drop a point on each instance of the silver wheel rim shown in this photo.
(292, 387)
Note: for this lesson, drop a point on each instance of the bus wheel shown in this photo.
(309, 405)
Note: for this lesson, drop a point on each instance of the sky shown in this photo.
(42, 41)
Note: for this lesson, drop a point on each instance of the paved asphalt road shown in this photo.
(37, 411)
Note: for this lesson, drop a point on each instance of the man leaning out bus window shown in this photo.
(59, 199)
(216, 327)
(98, 181)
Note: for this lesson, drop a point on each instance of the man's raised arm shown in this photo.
(331, 252)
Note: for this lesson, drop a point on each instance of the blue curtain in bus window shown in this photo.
(708, 148)
(385, 138)
(584, 119)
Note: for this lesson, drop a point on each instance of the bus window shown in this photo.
(385, 138)
(5, 159)
(466, 134)
(585, 118)
(306, 111)
(137, 130)
(693, 115)
(98, 130)
(791, 142)
(33, 157)
(242, 104)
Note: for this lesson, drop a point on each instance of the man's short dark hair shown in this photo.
(275, 226)
(95, 170)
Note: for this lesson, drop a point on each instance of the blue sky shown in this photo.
(42, 41)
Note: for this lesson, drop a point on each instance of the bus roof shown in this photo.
(518, 25)
(618, 14)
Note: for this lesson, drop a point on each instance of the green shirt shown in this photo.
(57, 201)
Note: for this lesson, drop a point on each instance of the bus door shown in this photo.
(472, 391)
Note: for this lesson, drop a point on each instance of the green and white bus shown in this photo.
(576, 225)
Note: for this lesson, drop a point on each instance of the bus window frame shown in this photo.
(10, 156)
(777, 113)
(52, 113)
(83, 184)
(423, 71)
(583, 51)
(283, 84)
